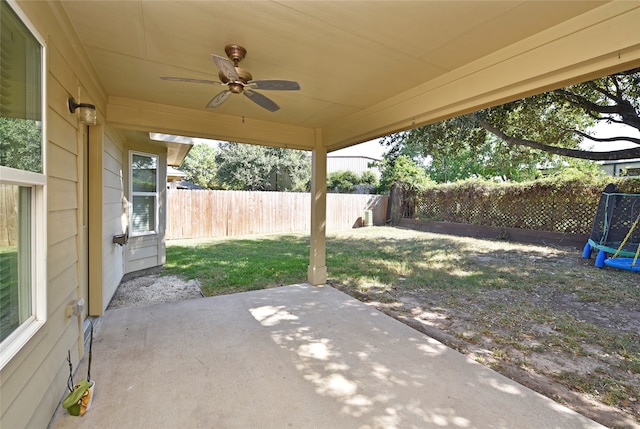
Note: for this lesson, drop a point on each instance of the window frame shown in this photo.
(155, 194)
(19, 338)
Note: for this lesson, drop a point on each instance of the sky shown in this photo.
(612, 130)
(372, 149)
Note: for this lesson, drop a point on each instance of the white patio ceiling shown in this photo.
(366, 68)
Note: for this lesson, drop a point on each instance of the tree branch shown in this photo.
(573, 153)
(623, 108)
(607, 139)
(589, 106)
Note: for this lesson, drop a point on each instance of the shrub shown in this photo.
(563, 203)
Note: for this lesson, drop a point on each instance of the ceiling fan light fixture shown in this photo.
(236, 88)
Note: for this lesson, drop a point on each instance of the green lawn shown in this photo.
(383, 258)
(237, 265)
(8, 290)
(369, 257)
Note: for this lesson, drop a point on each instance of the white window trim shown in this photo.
(37, 181)
(21, 336)
(155, 194)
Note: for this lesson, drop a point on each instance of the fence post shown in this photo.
(394, 213)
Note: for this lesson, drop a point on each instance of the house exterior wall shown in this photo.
(33, 382)
(356, 164)
(618, 168)
(113, 217)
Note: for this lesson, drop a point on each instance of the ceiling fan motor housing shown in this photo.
(236, 87)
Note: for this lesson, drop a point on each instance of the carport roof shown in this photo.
(366, 68)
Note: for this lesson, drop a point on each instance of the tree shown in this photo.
(200, 166)
(346, 181)
(260, 168)
(20, 144)
(342, 181)
(368, 177)
(292, 170)
(529, 131)
(456, 150)
(609, 99)
(403, 169)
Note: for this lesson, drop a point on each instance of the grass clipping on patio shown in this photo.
(541, 315)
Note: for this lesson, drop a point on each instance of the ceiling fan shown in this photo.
(240, 81)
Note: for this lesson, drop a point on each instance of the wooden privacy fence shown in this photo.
(8, 215)
(208, 214)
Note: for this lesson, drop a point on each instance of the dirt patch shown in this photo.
(154, 289)
(531, 369)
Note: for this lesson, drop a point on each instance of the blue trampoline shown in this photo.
(614, 231)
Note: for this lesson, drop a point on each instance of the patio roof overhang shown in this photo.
(366, 69)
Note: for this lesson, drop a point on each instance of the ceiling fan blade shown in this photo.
(219, 99)
(186, 79)
(226, 67)
(274, 84)
(261, 100)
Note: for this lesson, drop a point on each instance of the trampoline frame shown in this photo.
(625, 258)
(623, 264)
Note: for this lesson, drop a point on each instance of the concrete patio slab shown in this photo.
(293, 357)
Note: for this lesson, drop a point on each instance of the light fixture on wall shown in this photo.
(86, 111)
